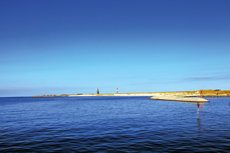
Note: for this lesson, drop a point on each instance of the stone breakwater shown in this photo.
(205, 93)
(184, 99)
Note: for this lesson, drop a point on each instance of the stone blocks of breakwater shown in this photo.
(177, 98)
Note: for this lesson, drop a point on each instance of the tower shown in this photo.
(97, 91)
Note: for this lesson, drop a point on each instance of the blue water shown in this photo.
(113, 124)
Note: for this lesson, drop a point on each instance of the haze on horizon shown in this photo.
(70, 47)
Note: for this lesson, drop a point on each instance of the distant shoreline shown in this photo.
(205, 93)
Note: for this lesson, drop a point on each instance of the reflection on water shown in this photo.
(198, 118)
(198, 122)
(198, 114)
(198, 105)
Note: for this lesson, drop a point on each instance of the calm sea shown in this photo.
(113, 124)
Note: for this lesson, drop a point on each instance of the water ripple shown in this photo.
(112, 124)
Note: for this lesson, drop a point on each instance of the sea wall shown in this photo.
(184, 99)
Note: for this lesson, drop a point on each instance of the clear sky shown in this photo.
(77, 46)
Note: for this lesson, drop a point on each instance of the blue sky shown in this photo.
(77, 46)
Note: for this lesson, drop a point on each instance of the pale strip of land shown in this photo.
(118, 94)
(184, 99)
(155, 96)
(175, 96)
(205, 93)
